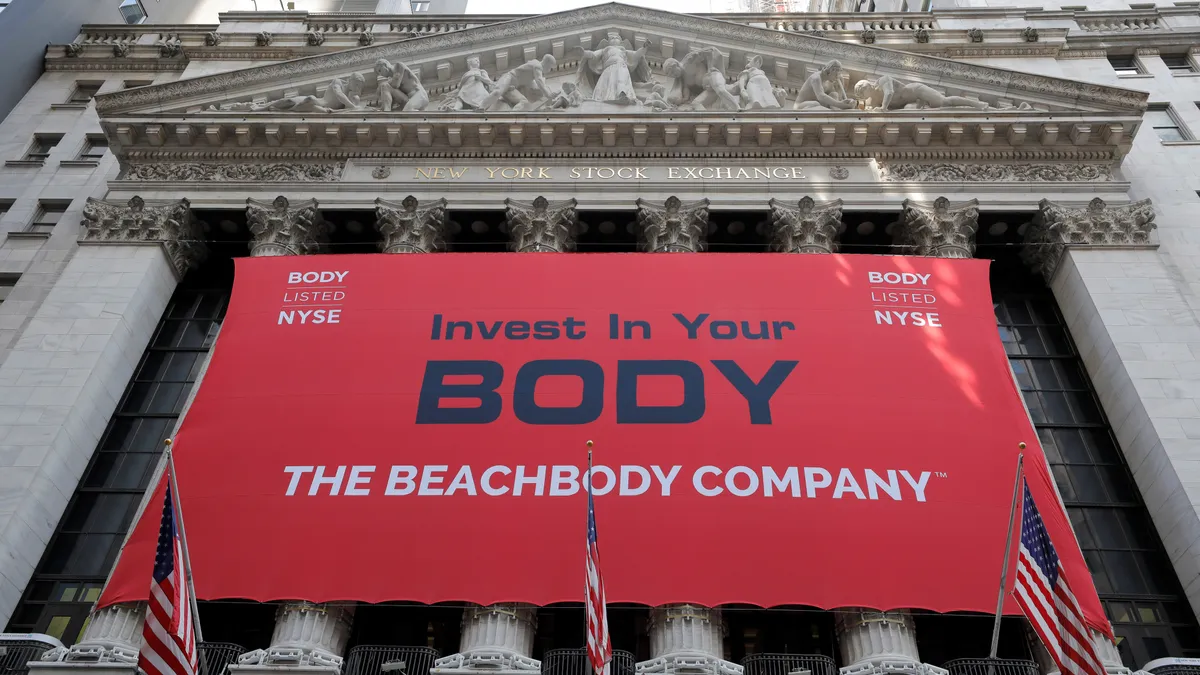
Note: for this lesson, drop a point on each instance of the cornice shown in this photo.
(434, 46)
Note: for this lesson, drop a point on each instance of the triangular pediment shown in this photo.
(978, 103)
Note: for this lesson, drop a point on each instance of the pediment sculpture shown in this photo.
(617, 75)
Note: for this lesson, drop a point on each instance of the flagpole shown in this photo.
(187, 560)
(1012, 512)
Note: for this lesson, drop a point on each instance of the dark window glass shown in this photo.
(1124, 65)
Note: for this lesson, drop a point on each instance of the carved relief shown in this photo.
(921, 35)
(408, 227)
(523, 87)
(994, 172)
(472, 91)
(167, 223)
(940, 230)
(367, 38)
(212, 38)
(121, 50)
(887, 93)
(73, 50)
(1030, 34)
(755, 90)
(170, 47)
(540, 226)
(1057, 227)
(698, 82)
(810, 228)
(399, 85)
(609, 73)
(823, 90)
(263, 39)
(258, 173)
(341, 95)
(315, 38)
(867, 36)
(975, 35)
(674, 227)
(282, 229)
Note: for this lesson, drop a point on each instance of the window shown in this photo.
(48, 215)
(1163, 120)
(1125, 65)
(3, 4)
(84, 92)
(94, 148)
(420, 6)
(5, 206)
(1178, 63)
(7, 281)
(42, 145)
(130, 84)
(132, 11)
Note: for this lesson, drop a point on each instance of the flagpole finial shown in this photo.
(167, 442)
(1021, 445)
(589, 444)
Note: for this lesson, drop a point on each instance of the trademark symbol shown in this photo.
(940, 474)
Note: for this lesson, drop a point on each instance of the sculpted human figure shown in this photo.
(699, 81)
(885, 93)
(609, 73)
(523, 86)
(567, 97)
(657, 98)
(823, 90)
(399, 84)
(756, 91)
(341, 94)
(473, 88)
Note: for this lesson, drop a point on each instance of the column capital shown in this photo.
(280, 228)
(674, 227)
(411, 227)
(541, 226)
(169, 224)
(1057, 227)
(810, 227)
(940, 229)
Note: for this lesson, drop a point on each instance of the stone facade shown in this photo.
(1025, 114)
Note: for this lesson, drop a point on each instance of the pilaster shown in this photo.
(411, 227)
(307, 635)
(807, 228)
(940, 229)
(169, 225)
(687, 639)
(674, 227)
(879, 643)
(541, 226)
(280, 228)
(1096, 226)
(496, 638)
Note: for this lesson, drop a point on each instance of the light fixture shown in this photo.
(132, 11)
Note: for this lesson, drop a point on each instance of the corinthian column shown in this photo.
(674, 227)
(687, 639)
(810, 228)
(940, 229)
(1098, 225)
(878, 643)
(409, 227)
(541, 227)
(282, 229)
(496, 638)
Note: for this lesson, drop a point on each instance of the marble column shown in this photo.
(940, 229)
(280, 228)
(541, 226)
(1109, 657)
(306, 634)
(878, 642)
(145, 248)
(810, 227)
(411, 227)
(674, 227)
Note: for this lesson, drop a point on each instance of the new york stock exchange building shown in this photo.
(445, 235)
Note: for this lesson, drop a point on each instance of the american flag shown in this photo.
(599, 648)
(1045, 596)
(170, 643)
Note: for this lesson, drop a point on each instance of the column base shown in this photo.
(688, 664)
(498, 661)
(893, 667)
(291, 657)
(280, 669)
(82, 668)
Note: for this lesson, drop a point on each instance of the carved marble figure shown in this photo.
(473, 88)
(823, 90)
(886, 93)
(341, 94)
(568, 97)
(523, 87)
(399, 85)
(609, 73)
(755, 90)
(657, 98)
(699, 81)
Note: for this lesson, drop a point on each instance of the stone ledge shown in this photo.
(24, 163)
(68, 106)
(80, 163)
(27, 235)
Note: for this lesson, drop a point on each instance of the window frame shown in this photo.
(134, 84)
(420, 6)
(1173, 116)
(89, 144)
(49, 141)
(83, 86)
(46, 206)
(132, 3)
(1136, 67)
(1188, 63)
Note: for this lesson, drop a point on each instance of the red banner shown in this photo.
(822, 430)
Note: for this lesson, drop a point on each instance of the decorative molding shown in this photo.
(940, 229)
(975, 34)
(921, 35)
(867, 36)
(839, 172)
(710, 29)
(366, 39)
(264, 38)
(73, 50)
(807, 228)
(923, 173)
(381, 172)
(168, 224)
(408, 227)
(283, 172)
(1030, 34)
(674, 227)
(1098, 225)
(121, 50)
(315, 39)
(212, 39)
(541, 226)
(282, 229)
